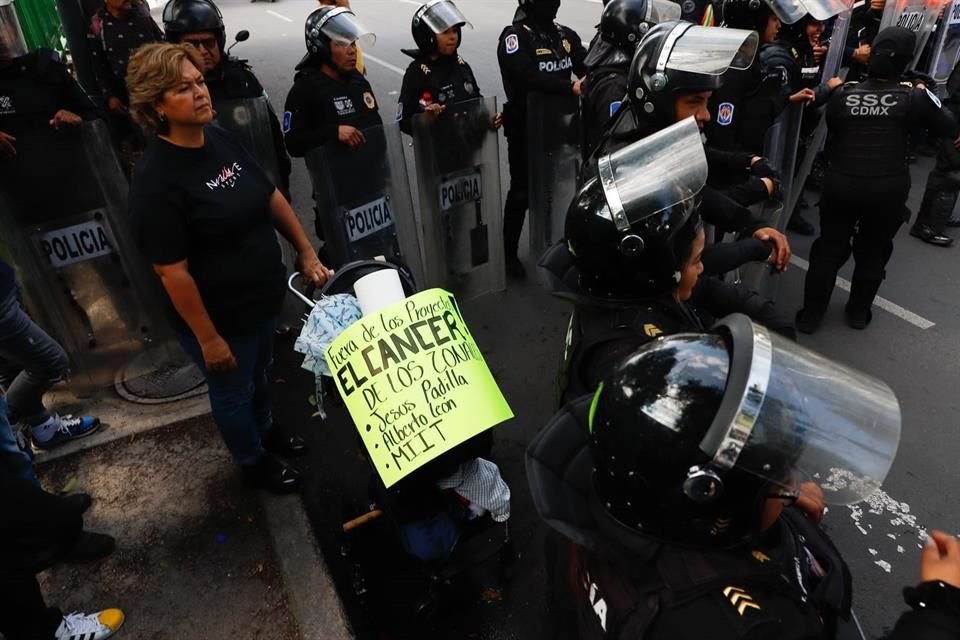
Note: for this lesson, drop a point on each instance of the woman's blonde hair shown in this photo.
(153, 70)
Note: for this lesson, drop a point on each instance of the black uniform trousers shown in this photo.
(943, 185)
(518, 196)
(35, 530)
(858, 217)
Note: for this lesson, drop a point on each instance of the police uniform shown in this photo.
(33, 88)
(445, 81)
(112, 41)
(744, 109)
(866, 185)
(532, 58)
(604, 91)
(317, 105)
(864, 26)
(234, 80)
(943, 181)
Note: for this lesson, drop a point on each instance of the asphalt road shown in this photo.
(915, 349)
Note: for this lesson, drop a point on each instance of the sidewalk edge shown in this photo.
(312, 596)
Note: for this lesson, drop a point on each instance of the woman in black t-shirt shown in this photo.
(204, 215)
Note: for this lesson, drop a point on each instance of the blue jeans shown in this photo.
(30, 362)
(240, 398)
(13, 461)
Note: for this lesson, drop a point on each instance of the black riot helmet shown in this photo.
(692, 434)
(631, 227)
(538, 11)
(891, 52)
(751, 15)
(680, 57)
(181, 17)
(434, 18)
(328, 24)
(624, 23)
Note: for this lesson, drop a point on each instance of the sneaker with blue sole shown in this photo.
(65, 428)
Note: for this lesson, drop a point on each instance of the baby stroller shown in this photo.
(422, 538)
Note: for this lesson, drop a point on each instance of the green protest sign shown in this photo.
(414, 382)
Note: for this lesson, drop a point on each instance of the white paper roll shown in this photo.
(378, 290)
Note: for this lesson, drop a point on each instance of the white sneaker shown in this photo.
(90, 626)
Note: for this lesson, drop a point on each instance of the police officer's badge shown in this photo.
(725, 113)
(566, 45)
(369, 100)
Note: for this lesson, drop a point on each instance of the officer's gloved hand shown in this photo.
(762, 168)
(920, 79)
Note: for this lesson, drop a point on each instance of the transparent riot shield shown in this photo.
(63, 217)
(554, 158)
(947, 50)
(363, 200)
(781, 147)
(248, 120)
(458, 176)
(919, 16)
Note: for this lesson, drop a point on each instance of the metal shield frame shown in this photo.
(105, 310)
(249, 120)
(462, 235)
(352, 185)
(947, 50)
(554, 158)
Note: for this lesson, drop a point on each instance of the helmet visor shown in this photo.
(342, 26)
(440, 15)
(662, 11)
(12, 43)
(790, 415)
(708, 50)
(789, 11)
(653, 174)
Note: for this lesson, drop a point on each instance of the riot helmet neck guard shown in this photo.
(181, 17)
(692, 432)
(680, 57)
(432, 19)
(631, 226)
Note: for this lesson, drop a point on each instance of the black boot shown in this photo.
(928, 235)
(808, 321)
(279, 442)
(514, 267)
(272, 474)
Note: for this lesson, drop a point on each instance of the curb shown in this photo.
(311, 594)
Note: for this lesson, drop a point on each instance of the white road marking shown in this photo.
(883, 303)
(410, 2)
(279, 15)
(384, 63)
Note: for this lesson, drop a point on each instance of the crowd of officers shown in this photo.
(650, 533)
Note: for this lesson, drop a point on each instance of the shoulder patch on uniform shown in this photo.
(614, 107)
(566, 45)
(725, 113)
(933, 97)
(740, 599)
(512, 43)
(460, 60)
(424, 69)
(287, 119)
(369, 100)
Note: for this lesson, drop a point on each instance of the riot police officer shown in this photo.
(535, 54)
(438, 75)
(632, 255)
(675, 503)
(200, 23)
(330, 100)
(623, 24)
(867, 178)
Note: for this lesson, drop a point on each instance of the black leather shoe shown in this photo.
(808, 322)
(858, 318)
(515, 268)
(90, 547)
(272, 474)
(930, 236)
(284, 445)
(798, 225)
(77, 502)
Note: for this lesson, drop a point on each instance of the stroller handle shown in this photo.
(307, 301)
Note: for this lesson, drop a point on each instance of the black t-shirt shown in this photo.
(210, 206)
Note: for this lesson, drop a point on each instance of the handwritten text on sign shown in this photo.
(415, 383)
